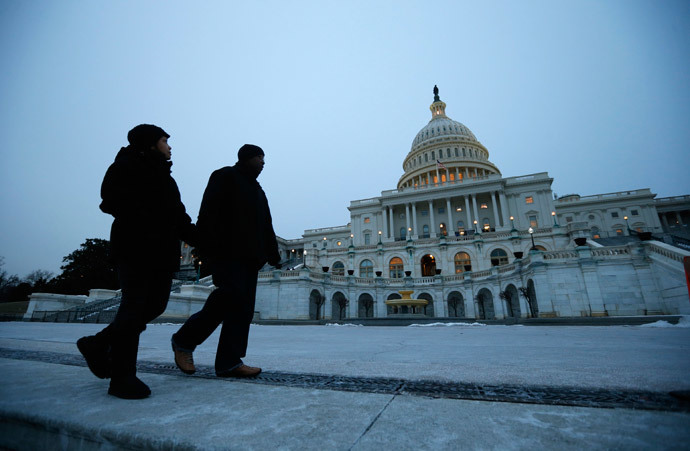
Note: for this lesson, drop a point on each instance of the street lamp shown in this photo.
(553, 214)
(627, 225)
(198, 272)
(380, 236)
(512, 224)
(409, 233)
(475, 226)
(531, 235)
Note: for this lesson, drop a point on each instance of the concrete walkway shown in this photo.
(47, 401)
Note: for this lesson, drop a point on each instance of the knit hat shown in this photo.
(249, 151)
(145, 135)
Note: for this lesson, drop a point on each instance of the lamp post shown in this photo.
(553, 215)
(627, 225)
(512, 223)
(475, 226)
(198, 272)
(380, 236)
(531, 235)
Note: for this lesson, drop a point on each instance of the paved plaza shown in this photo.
(467, 386)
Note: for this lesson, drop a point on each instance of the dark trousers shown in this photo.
(232, 303)
(145, 293)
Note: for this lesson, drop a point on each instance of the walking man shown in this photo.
(150, 220)
(236, 239)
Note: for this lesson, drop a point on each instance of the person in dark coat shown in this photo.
(150, 220)
(236, 239)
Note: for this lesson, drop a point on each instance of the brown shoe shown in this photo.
(184, 360)
(241, 371)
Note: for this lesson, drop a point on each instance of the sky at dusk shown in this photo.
(596, 93)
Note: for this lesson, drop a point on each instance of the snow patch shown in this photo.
(343, 325)
(683, 321)
(447, 325)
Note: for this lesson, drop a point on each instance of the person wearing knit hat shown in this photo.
(149, 222)
(236, 239)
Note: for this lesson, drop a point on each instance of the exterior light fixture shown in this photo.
(475, 226)
(512, 223)
(553, 215)
(531, 235)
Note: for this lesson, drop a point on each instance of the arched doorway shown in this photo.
(428, 266)
(339, 306)
(429, 308)
(390, 309)
(512, 301)
(456, 305)
(316, 302)
(485, 304)
(365, 306)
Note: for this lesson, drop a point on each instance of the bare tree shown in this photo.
(318, 300)
(526, 294)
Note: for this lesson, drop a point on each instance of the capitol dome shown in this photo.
(444, 151)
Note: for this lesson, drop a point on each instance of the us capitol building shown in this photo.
(466, 242)
(475, 244)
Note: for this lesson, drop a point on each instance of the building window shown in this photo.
(486, 224)
(367, 238)
(569, 219)
(403, 232)
(595, 233)
(634, 213)
(442, 229)
(396, 268)
(462, 262)
(433, 155)
(483, 206)
(529, 200)
(367, 220)
(441, 210)
(619, 232)
(461, 227)
(499, 257)
(425, 212)
(425, 231)
(366, 269)
(338, 269)
(456, 151)
(614, 214)
(533, 221)
(426, 157)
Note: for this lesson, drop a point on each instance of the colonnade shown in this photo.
(465, 207)
(448, 175)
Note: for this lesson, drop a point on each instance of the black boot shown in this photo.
(97, 355)
(124, 383)
(129, 388)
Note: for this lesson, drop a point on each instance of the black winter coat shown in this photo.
(150, 219)
(234, 219)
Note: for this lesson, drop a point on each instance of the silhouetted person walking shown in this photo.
(150, 220)
(236, 238)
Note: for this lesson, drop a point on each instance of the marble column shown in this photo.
(407, 219)
(432, 223)
(468, 212)
(414, 219)
(494, 201)
(475, 212)
(504, 209)
(390, 218)
(385, 222)
(450, 228)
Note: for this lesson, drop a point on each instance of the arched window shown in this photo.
(499, 257)
(338, 268)
(366, 269)
(425, 231)
(462, 262)
(396, 268)
(402, 233)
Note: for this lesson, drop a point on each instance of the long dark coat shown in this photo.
(234, 219)
(150, 219)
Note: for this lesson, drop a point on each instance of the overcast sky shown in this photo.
(596, 93)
